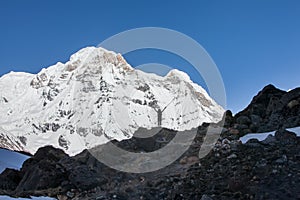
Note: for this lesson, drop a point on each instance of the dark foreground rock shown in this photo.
(255, 170)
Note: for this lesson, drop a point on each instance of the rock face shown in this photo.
(255, 170)
(270, 110)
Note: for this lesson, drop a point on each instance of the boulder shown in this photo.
(292, 104)
(9, 179)
(37, 170)
(229, 119)
(286, 137)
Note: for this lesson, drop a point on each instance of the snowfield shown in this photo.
(295, 130)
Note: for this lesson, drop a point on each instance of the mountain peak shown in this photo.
(95, 57)
(95, 97)
(179, 74)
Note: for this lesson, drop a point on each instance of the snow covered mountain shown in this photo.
(94, 97)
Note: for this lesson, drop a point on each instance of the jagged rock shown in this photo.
(270, 110)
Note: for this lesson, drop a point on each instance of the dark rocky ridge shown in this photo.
(270, 110)
(256, 170)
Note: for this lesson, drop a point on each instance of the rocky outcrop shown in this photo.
(255, 170)
(270, 110)
(9, 179)
(42, 171)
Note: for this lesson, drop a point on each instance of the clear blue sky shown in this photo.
(253, 43)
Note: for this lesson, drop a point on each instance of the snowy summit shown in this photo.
(94, 97)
